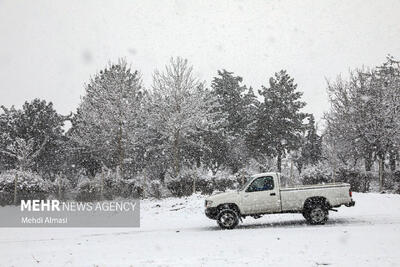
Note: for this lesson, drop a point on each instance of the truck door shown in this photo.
(261, 196)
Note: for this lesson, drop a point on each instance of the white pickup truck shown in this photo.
(261, 194)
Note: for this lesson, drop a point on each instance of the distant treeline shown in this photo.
(179, 125)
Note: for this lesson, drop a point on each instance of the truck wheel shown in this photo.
(316, 215)
(227, 219)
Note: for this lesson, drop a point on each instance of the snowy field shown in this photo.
(174, 232)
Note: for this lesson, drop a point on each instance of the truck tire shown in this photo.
(316, 214)
(305, 215)
(227, 219)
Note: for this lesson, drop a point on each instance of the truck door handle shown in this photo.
(272, 194)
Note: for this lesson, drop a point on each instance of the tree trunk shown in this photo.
(333, 172)
(176, 153)
(392, 161)
(291, 171)
(380, 175)
(214, 170)
(102, 184)
(59, 187)
(279, 161)
(120, 151)
(299, 167)
(194, 185)
(15, 189)
(368, 161)
(144, 183)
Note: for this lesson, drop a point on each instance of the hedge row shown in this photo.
(185, 187)
(359, 181)
(107, 186)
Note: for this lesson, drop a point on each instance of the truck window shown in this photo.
(261, 184)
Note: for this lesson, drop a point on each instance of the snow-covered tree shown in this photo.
(279, 124)
(238, 103)
(311, 146)
(341, 134)
(234, 100)
(363, 120)
(107, 124)
(387, 77)
(33, 137)
(181, 109)
(9, 118)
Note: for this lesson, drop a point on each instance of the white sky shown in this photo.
(49, 49)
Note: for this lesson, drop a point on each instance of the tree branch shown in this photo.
(37, 152)
(9, 153)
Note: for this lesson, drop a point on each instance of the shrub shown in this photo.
(398, 189)
(204, 182)
(156, 189)
(61, 188)
(180, 188)
(88, 190)
(391, 179)
(29, 186)
(109, 185)
(396, 176)
(128, 188)
(359, 181)
(205, 186)
(224, 184)
(183, 184)
(317, 174)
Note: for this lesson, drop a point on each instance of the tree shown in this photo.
(107, 125)
(341, 134)
(362, 121)
(181, 109)
(387, 77)
(24, 152)
(279, 124)
(311, 147)
(33, 137)
(9, 132)
(238, 103)
(233, 101)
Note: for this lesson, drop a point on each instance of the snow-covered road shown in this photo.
(175, 232)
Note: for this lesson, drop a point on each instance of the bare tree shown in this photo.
(180, 106)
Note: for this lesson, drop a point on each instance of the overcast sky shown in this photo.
(49, 49)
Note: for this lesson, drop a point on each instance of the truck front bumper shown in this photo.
(211, 213)
(352, 203)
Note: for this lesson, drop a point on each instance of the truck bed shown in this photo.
(293, 198)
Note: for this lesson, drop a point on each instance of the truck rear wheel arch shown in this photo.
(314, 201)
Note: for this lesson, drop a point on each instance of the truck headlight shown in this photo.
(208, 203)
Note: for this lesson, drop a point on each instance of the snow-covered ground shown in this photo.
(175, 232)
